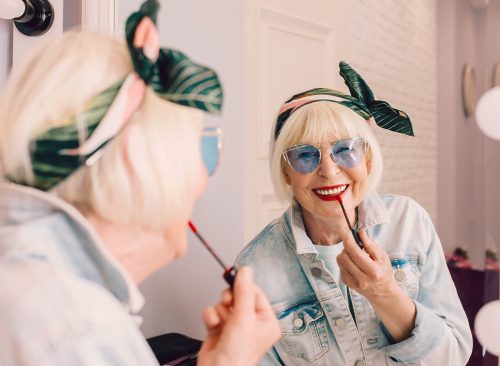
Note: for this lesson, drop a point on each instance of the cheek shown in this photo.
(299, 184)
(202, 182)
(360, 174)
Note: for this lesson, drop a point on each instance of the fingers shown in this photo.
(244, 292)
(346, 263)
(350, 244)
(211, 319)
(348, 279)
(227, 297)
(359, 257)
(369, 245)
(223, 311)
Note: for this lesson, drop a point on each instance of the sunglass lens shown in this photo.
(349, 153)
(304, 159)
(210, 152)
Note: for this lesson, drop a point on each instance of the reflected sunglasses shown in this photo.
(211, 146)
(306, 158)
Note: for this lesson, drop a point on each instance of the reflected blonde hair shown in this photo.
(316, 123)
(146, 174)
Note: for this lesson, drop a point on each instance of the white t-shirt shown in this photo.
(329, 253)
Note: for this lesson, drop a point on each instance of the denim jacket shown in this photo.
(316, 322)
(63, 299)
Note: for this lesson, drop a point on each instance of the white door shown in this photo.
(290, 46)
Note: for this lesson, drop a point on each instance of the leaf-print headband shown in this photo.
(360, 101)
(60, 151)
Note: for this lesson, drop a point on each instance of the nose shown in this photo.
(327, 167)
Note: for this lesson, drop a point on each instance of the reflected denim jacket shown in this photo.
(63, 299)
(316, 323)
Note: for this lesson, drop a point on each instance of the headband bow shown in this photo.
(360, 101)
(59, 151)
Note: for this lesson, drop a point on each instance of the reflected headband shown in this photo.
(361, 101)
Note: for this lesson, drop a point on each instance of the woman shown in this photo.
(101, 154)
(393, 302)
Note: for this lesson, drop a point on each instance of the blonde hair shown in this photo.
(146, 174)
(315, 123)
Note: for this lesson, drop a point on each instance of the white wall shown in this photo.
(393, 45)
(210, 33)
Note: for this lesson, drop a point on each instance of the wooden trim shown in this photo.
(99, 15)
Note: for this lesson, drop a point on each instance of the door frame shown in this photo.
(99, 16)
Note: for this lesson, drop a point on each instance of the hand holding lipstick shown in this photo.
(369, 272)
(242, 326)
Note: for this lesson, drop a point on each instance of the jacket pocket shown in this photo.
(407, 274)
(304, 332)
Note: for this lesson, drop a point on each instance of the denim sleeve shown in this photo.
(51, 318)
(441, 335)
(101, 349)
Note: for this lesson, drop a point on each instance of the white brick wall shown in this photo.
(394, 47)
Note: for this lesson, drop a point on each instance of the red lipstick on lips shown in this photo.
(330, 197)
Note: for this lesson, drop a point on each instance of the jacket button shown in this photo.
(316, 272)
(400, 275)
(298, 322)
(360, 363)
(340, 322)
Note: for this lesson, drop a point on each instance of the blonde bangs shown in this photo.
(321, 122)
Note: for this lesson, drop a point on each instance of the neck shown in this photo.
(140, 251)
(327, 231)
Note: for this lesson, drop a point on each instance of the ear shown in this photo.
(368, 160)
(369, 165)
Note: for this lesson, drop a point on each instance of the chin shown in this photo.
(181, 250)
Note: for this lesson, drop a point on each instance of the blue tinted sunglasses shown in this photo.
(211, 145)
(306, 158)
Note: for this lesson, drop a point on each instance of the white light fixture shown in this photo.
(488, 113)
(31, 17)
(487, 327)
(10, 9)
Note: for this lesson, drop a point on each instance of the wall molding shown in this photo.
(99, 16)
(270, 21)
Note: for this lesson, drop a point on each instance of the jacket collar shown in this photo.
(24, 208)
(371, 211)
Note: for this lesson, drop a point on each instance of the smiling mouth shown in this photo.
(330, 193)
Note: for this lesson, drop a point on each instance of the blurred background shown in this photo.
(430, 58)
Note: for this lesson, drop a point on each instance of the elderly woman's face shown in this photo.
(316, 191)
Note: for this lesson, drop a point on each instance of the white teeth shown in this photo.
(334, 191)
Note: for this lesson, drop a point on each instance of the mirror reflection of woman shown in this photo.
(391, 302)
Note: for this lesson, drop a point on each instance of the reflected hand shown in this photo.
(368, 272)
(241, 327)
